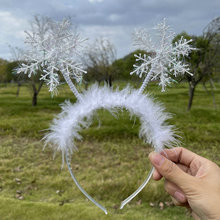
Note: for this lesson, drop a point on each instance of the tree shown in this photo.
(12, 76)
(123, 66)
(52, 49)
(99, 57)
(201, 71)
(203, 61)
(212, 33)
(3, 72)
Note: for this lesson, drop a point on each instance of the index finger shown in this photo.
(180, 155)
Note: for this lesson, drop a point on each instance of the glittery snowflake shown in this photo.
(53, 48)
(166, 57)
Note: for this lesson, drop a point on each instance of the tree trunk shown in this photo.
(18, 89)
(110, 80)
(86, 85)
(212, 92)
(34, 99)
(191, 95)
(36, 92)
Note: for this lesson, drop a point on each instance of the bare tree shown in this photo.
(204, 60)
(99, 58)
(3, 74)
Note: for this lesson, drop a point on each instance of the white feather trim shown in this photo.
(66, 127)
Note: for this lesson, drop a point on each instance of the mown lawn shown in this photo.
(111, 163)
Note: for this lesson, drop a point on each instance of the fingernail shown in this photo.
(157, 159)
(180, 197)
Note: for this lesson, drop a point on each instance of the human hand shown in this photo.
(191, 180)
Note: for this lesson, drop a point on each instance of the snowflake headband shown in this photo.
(64, 131)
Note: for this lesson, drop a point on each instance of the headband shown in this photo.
(164, 63)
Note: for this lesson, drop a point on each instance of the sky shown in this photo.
(115, 20)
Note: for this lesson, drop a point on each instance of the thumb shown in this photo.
(171, 171)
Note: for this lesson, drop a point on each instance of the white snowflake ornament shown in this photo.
(53, 48)
(166, 59)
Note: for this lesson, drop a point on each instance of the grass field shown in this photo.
(111, 163)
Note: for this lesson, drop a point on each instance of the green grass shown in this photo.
(111, 162)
